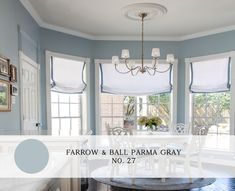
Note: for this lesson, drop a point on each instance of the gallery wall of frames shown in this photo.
(8, 87)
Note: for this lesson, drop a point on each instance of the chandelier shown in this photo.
(130, 66)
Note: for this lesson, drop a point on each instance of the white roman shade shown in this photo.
(141, 84)
(210, 76)
(67, 76)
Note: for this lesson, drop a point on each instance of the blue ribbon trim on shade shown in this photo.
(53, 84)
(102, 82)
(219, 91)
(229, 73)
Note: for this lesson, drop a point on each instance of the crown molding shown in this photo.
(136, 38)
(67, 31)
(207, 33)
(28, 6)
(43, 24)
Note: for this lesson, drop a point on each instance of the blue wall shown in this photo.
(106, 49)
(18, 31)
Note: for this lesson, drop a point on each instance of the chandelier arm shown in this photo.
(155, 63)
(125, 61)
(148, 70)
(139, 68)
(129, 70)
(163, 71)
(116, 68)
(159, 71)
(134, 69)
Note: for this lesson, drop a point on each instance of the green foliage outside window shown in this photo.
(222, 100)
(211, 108)
(3, 99)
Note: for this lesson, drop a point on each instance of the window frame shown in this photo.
(97, 90)
(188, 94)
(85, 102)
(70, 117)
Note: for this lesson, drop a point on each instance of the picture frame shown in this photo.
(5, 97)
(13, 73)
(14, 90)
(4, 66)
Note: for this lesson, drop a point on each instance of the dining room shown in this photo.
(149, 85)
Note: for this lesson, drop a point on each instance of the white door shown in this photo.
(29, 92)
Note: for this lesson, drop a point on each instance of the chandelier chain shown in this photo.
(142, 56)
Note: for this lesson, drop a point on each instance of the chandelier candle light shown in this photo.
(130, 64)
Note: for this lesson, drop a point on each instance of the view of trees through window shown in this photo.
(114, 109)
(213, 110)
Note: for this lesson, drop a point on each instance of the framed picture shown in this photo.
(5, 97)
(13, 73)
(14, 90)
(4, 66)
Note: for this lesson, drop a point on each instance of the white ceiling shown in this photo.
(104, 19)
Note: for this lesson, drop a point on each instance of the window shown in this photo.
(114, 109)
(210, 92)
(210, 97)
(213, 110)
(68, 94)
(124, 98)
(66, 113)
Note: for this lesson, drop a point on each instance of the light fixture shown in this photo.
(130, 66)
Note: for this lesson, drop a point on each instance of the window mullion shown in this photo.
(135, 108)
(81, 112)
(112, 113)
(70, 129)
(59, 115)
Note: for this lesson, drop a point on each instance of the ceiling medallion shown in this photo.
(142, 12)
(152, 9)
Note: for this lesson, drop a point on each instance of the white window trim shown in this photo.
(188, 95)
(86, 111)
(97, 90)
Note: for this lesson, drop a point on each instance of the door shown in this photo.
(29, 92)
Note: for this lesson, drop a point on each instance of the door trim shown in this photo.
(22, 57)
